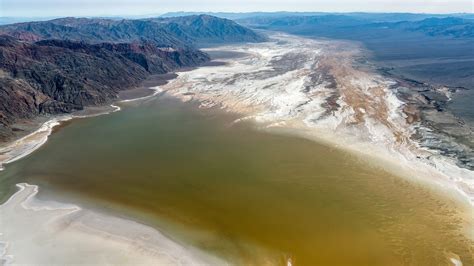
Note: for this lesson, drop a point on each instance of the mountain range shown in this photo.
(63, 65)
(368, 16)
(438, 50)
(352, 26)
(164, 32)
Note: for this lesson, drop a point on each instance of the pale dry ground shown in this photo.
(22, 147)
(317, 89)
(39, 232)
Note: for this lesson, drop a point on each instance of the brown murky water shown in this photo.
(248, 196)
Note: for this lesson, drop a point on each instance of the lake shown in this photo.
(243, 194)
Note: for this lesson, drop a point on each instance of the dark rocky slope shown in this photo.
(57, 76)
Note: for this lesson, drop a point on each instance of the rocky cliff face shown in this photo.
(57, 76)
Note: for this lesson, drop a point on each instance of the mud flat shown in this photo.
(319, 90)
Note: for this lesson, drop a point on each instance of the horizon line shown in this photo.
(248, 12)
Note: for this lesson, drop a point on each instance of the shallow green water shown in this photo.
(246, 195)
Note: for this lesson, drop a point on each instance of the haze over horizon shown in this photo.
(57, 8)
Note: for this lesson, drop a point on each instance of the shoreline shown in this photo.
(109, 231)
(324, 134)
(61, 229)
(413, 171)
(379, 156)
(18, 148)
(65, 199)
(254, 101)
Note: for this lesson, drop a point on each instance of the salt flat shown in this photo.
(317, 89)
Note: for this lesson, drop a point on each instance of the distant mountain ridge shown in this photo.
(208, 29)
(164, 32)
(335, 25)
(449, 26)
(368, 16)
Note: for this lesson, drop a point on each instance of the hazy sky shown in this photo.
(27, 8)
